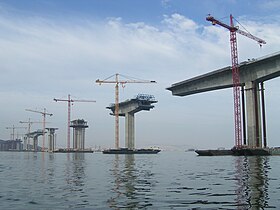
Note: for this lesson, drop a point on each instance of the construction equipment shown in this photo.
(13, 131)
(116, 81)
(70, 102)
(29, 127)
(44, 113)
(235, 71)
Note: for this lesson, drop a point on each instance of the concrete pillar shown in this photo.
(79, 138)
(75, 139)
(254, 133)
(263, 115)
(243, 115)
(35, 143)
(129, 131)
(25, 147)
(51, 143)
(51, 138)
(83, 139)
(79, 127)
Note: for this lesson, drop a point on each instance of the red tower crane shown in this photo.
(70, 101)
(235, 71)
(44, 113)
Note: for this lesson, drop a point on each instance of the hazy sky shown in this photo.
(52, 48)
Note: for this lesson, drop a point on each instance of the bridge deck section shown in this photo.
(258, 70)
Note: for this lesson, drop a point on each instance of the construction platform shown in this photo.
(131, 151)
(240, 152)
(73, 151)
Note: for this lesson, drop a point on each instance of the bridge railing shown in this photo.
(145, 97)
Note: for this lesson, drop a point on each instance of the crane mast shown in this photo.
(236, 86)
(117, 81)
(69, 102)
(117, 130)
(235, 71)
(44, 113)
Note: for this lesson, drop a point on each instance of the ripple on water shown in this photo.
(33, 202)
(13, 199)
(148, 182)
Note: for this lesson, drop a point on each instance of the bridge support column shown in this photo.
(254, 132)
(51, 143)
(243, 115)
(129, 131)
(79, 127)
(35, 143)
(263, 116)
(51, 138)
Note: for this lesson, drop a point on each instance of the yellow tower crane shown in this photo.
(117, 81)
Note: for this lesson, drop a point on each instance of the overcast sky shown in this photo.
(52, 48)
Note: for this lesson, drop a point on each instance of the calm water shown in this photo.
(168, 180)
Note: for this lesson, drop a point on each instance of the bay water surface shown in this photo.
(168, 180)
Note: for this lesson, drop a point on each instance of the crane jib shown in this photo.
(234, 29)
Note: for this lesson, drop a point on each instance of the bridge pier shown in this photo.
(254, 128)
(263, 115)
(35, 143)
(51, 138)
(79, 127)
(129, 130)
(34, 135)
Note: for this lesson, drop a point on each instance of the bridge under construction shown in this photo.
(253, 74)
(128, 109)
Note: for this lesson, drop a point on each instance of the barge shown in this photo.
(73, 151)
(131, 151)
(214, 152)
(240, 152)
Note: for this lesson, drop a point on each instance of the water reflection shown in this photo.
(75, 172)
(252, 182)
(75, 194)
(131, 185)
(51, 170)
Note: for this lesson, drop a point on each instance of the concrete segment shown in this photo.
(258, 70)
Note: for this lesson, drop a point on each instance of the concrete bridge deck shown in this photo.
(258, 70)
